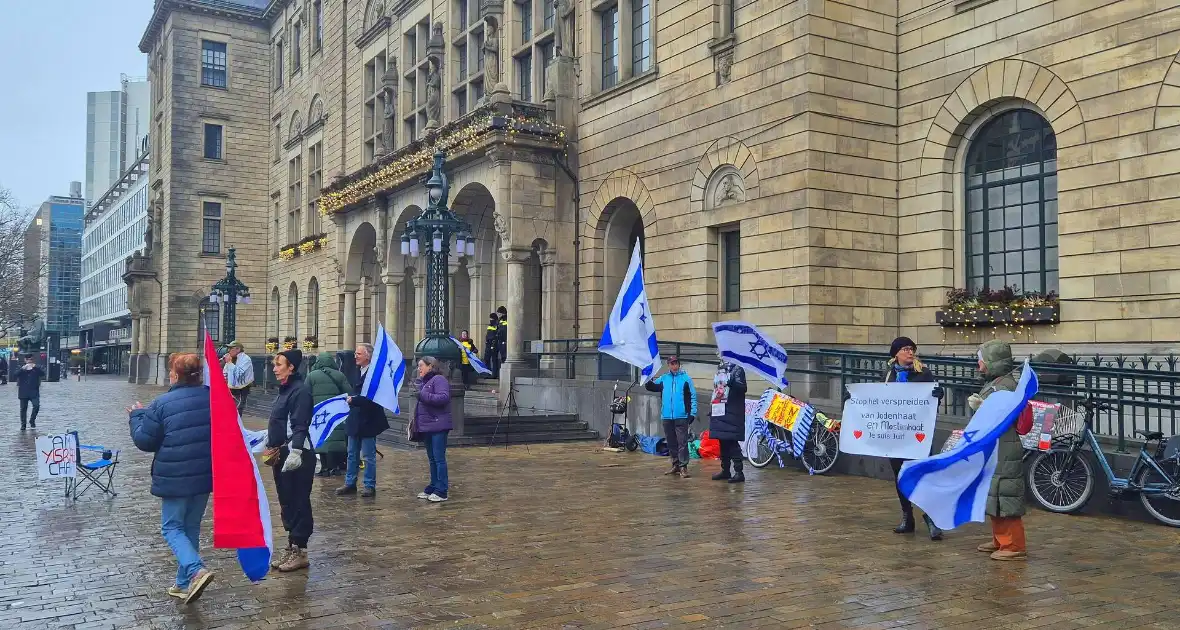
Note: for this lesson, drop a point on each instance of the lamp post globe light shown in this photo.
(229, 291)
(433, 230)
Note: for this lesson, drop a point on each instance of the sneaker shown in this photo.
(200, 581)
(177, 592)
(988, 547)
(424, 495)
(368, 492)
(1009, 555)
(297, 560)
(280, 558)
(436, 498)
(345, 490)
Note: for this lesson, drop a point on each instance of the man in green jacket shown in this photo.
(1005, 498)
(325, 381)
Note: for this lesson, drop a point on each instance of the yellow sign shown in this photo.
(783, 411)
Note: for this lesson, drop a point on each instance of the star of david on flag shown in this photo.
(630, 332)
(742, 343)
(325, 416)
(387, 372)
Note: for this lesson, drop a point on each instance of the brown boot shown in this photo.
(988, 547)
(281, 557)
(675, 470)
(684, 472)
(1009, 555)
(297, 560)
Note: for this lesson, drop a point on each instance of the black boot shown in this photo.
(738, 475)
(935, 532)
(724, 474)
(907, 523)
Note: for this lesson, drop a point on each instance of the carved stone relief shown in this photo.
(725, 187)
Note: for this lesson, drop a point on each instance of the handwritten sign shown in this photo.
(1041, 435)
(889, 420)
(57, 456)
(783, 411)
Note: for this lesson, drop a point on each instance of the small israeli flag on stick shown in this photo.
(387, 372)
(479, 366)
(630, 333)
(325, 416)
(742, 343)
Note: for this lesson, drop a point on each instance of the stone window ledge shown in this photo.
(625, 86)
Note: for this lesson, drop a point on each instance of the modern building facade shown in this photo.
(115, 229)
(53, 254)
(116, 124)
(839, 173)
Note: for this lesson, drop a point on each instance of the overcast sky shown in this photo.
(52, 52)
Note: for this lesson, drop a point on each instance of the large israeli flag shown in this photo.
(387, 372)
(325, 416)
(479, 366)
(630, 333)
(742, 343)
(952, 487)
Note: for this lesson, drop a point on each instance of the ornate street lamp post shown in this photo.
(230, 291)
(433, 229)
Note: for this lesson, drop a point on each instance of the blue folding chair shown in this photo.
(98, 473)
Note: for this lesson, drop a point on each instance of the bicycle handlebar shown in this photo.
(1095, 404)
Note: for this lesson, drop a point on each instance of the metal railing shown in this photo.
(1144, 390)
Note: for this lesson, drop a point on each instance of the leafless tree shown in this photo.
(18, 286)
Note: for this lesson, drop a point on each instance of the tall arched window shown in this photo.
(1011, 173)
(313, 307)
(293, 309)
(277, 314)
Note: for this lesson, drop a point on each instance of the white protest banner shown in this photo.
(57, 456)
(889, 420)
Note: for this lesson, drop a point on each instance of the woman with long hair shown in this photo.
(432, 423)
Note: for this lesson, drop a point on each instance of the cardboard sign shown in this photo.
(57, 456)
(783, 411)
(889, 420)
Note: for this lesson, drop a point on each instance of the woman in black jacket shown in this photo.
(904, 367)
(294, 469)
(727, 419)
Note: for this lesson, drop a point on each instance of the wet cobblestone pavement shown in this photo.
(559, 537)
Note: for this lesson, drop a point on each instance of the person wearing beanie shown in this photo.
(904, 367)
(293, 459)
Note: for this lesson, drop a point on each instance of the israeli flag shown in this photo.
(742, 343)
(952, 487)
(325, 416)
(387, 372)
(472, 359)
(255, 440)
(630, 333)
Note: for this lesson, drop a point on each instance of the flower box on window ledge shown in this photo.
(303, 247)
(289, 343)
(1000, 307)
(310, 342)
(272, 345)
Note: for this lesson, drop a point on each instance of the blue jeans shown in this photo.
(436, 452)
(180, 522)
(359, 447)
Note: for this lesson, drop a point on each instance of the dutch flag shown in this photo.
(241, 514)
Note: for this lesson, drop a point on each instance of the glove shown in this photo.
(294, 460)
(974, 401)
(937, 393)
(847, 396)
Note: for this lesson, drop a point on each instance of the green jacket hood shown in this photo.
(324, 360)
(997, 358)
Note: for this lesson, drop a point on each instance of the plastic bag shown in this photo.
(709, 448)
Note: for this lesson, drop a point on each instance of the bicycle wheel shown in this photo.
(821, 450)
(1061, 480)
(1164, 504)
(760, 453)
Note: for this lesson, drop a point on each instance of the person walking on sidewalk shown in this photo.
(904, 367)
(1005, 497)
(325, 381)
(727, 419)
(433, 422)
(175, 426)
(292, 456)
(366, 420)
(28, 390)
(678, 409)
(239, 374)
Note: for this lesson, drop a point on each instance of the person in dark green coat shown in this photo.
(325, 381)
(1005, 498)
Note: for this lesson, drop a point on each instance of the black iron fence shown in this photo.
(1144, 390)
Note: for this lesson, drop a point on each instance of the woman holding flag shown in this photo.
(469, 348)
(1005, 497)
(291, 455)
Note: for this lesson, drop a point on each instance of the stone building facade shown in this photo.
(827, 169)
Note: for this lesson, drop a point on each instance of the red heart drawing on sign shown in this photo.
(857, 434)
(920, 436)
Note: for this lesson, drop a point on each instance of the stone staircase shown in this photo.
(484, 424)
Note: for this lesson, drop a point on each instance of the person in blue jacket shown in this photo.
(678, 409)
(175, 426)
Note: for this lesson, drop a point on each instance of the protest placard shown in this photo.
(783, 410)
(57, 456)
(889, 420)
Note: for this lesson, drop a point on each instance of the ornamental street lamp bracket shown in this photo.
(229, 291)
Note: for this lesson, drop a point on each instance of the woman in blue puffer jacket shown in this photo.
(175, 426)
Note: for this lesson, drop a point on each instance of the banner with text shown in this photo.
(889, 420)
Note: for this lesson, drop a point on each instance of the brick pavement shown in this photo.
(561, 537)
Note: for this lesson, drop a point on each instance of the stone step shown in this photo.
(398, 440)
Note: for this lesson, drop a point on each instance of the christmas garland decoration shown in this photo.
(303, 247)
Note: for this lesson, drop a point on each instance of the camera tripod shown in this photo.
(509, 409)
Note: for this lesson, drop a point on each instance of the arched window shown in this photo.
(313, 307)
(293, 309)
(277, 316)
(1011, 174)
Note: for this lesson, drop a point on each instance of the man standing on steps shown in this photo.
(28, 384)
(366, 420)
(239, 374)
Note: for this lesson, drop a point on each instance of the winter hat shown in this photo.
(294, 357)
(899, 343)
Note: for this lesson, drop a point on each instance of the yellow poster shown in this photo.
(783, 411)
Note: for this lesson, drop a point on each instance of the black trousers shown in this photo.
(295, 498)
(24, 409)
(731, 451)
(906, 506)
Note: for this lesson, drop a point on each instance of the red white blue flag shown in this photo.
(241, 514)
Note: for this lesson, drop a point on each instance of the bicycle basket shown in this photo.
(1172, 449)
(1069, 422)
(619, 405)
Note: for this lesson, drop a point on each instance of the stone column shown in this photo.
(516, 258)
(134, 335)
(477, 313)
(143, 333)
(349, 340)
(392, 290)
(550, 294)
(419, 310)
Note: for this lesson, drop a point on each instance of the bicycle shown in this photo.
(771, 441)
(1062, 479)
(620, 436)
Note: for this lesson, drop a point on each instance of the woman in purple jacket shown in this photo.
(432, 419)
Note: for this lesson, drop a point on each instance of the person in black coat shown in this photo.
(727, 419)
(502, 330)
(904, 367)
(294, 469)
(491, 345)
(366, 420)
(28, 389)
